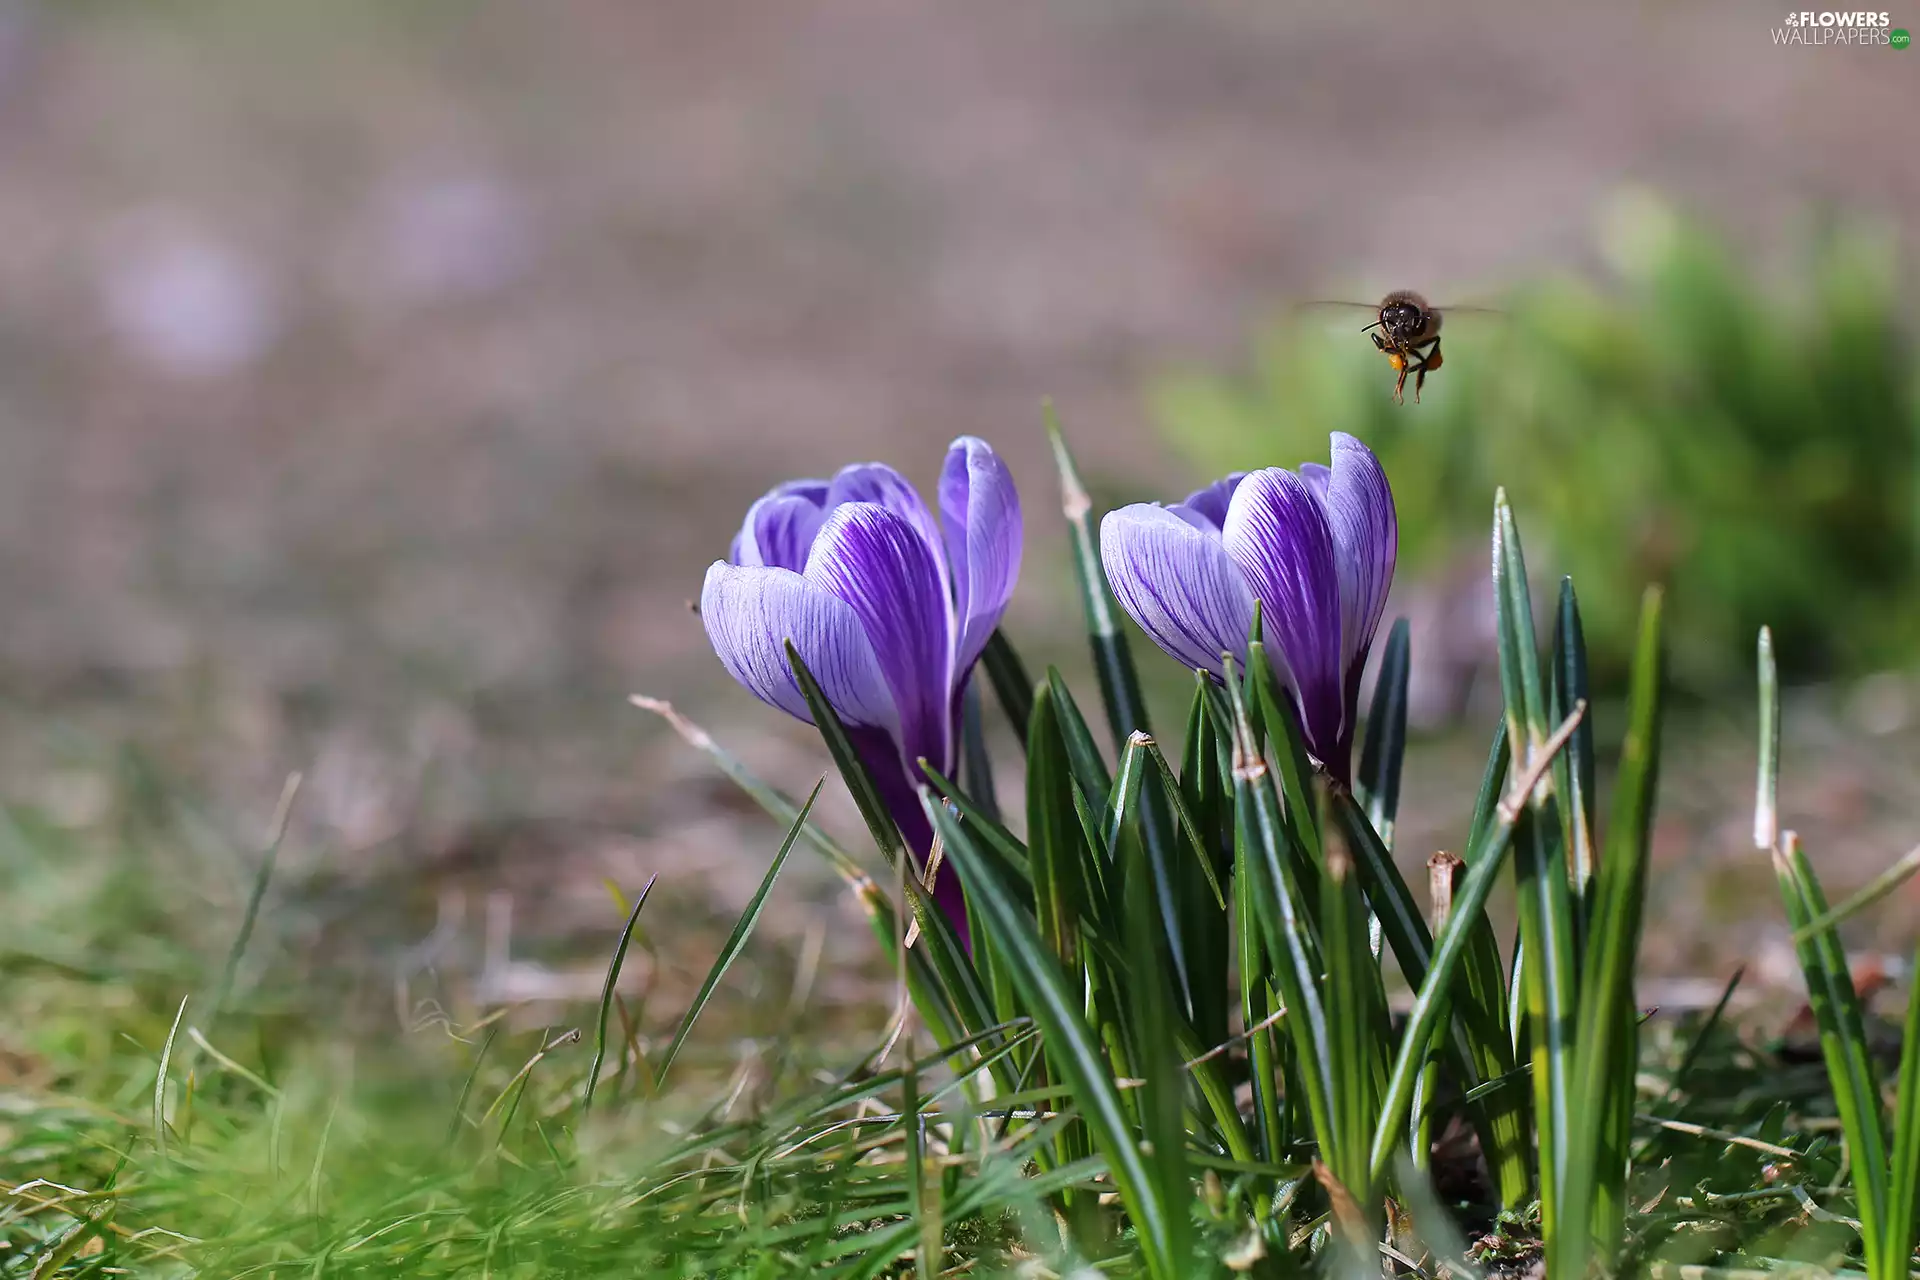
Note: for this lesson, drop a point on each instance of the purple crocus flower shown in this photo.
(888, 608)
(1315, 548)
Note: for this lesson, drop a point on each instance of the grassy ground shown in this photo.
(290, 1122)
(198, 1078)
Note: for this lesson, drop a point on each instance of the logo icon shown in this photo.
(1898, 38)
(1793, 19)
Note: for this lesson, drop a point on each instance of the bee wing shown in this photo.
(1476, 311)
(1332, 311)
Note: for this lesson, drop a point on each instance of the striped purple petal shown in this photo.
(1366, 540)
(778, 532)
(980, 511)
(1210, 504)
(1177, 582)
(780, 526)
(1318, 476)
(879, 564)
(880, 484)
(1276, 532)
(751, 611)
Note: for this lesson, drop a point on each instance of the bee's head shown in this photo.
(1404, 317)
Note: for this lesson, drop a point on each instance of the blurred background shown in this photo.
(378, 380)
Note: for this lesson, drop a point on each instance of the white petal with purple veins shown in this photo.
(980, 511)
(1175, 579)
(752, 611)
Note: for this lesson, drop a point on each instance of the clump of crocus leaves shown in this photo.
(1164, 995)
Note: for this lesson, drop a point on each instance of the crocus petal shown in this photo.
(875, 561)
(880, 484)
(980, 511)
(1211, 503)
(750, 541)
(1366, 540)
(778, 531)
(1277, 533)
(752, 611)
(1177, 582)
(1318, 477)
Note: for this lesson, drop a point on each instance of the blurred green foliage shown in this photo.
(1750, 442)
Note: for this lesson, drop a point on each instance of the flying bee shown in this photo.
(1406, 329)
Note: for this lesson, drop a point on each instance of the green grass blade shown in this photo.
(282, 813)
(1830, 991)
(736, 941)
(1119, 691)
(1004, 842)
(1089, 769)
(1444, 871)
(1549, 977)
(1594, 1206)
(1200, 801)
(778, 806)
(160, 1081)
(866, 794)
(1874, 890)
(1255, 1010)
(1056, 843)
(928, 1255)
(1012, 686)
(1387, 890)
(1123, 805)
(1277, 892)
(1132, 800)
(1843, 1046)
(1431, 1001)
(1386, 745)
(1520, 680)
(929, 995)
(1491, 780)
(1162, 1096)
(1276, 724)
(1187, 821)
(1355, 1007)
(967, 996)
(1903, 1193)
(1573, 772)
(1766, 790)
(967, 999)
(613, 977)
(1504, 1122)
(1071, 1046)
(1112, 659)
(976, 766)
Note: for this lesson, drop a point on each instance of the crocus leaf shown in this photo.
(866, 793)
(1607, 1034)
(1071, 1047)
(1012, 686)
(1386, 746)
(1549, 978)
